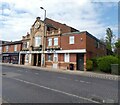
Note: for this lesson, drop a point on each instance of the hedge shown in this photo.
(104, 63)
(89, 65)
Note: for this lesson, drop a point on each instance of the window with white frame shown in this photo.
(15, 47)
(55, 41)
(7, 47)
(66, 57)
(50, 42)
(55, 57)
(27, 44)
(71, 40)
(37, 41)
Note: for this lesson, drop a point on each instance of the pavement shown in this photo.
(39, 85)
(75, 72)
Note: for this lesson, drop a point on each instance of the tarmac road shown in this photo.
(23, 85)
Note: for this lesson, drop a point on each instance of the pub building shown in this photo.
(10, 52)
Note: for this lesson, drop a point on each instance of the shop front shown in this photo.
(10, 58)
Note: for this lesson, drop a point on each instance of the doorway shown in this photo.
(80, 62)
(39, 59)
(35, 60)
(23, 59)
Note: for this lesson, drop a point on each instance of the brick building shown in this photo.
(10, 51)
(61, 46)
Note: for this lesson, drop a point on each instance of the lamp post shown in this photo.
(44, 40)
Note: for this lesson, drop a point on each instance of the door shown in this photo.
(35, 60)
(23, 59)
(55, 60)
(80, 62)
(39, 59)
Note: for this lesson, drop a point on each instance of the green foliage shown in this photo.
(104, 63)
(117, 48)
(109, 36)
(89, 65)
(117, 44)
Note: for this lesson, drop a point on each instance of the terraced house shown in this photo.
(10, 52)
(56, 45)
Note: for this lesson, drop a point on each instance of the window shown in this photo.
(49, 57)
(15, 47)
(71, 40)
(55, 41)
(37, 41)
(55, 58)
(50, 42)
(24, 44)
(97, 44)
(7, 47)
(66, 57)
(27, 44)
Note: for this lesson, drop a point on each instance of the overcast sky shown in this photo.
(17, 16)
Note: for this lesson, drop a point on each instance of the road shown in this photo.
(23, 85)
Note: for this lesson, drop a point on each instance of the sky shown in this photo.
(94, 16)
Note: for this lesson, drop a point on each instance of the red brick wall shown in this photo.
(92, 51)
(64, 28)
(72, 57)
(78, 43)
(61, 57)
(11, 48)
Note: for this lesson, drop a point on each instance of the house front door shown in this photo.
(80, 62)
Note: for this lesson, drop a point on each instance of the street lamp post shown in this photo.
(44, 40)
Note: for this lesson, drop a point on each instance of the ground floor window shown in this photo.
(66, 57)
(49, 57)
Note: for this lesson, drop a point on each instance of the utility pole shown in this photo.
(44, 40)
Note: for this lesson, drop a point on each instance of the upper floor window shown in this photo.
(27, 44)
(50, 42)
(24, 44)
(71, 40)
(7, 47)
(37, 41)
(97, 44)
(15, 47)
(55, 41)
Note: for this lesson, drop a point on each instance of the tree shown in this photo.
(117, 47)
(109, 36)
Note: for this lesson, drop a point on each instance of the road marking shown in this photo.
(62, 78)
(19, 70)
(55, 90)
(74, 80)
(36, 73)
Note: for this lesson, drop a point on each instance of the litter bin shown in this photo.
(71, 66)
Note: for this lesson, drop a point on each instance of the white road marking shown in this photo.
(74, 80)
(19, 70)
(55, 90)
(36, 73)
